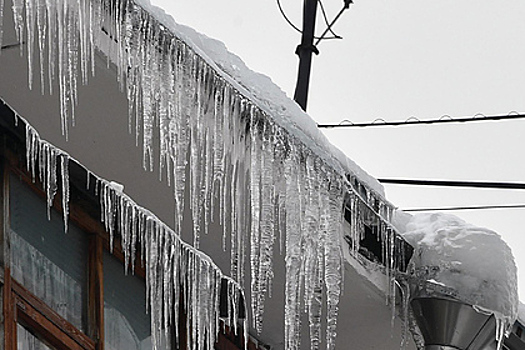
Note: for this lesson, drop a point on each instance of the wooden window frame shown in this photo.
(21, 305)
(31, 311)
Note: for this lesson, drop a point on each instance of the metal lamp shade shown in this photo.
(451, 325)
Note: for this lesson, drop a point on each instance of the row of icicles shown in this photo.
(264, 182)
(175, 271)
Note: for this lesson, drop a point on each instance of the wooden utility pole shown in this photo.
(304, 51)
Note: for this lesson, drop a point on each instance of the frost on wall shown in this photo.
(272, 191)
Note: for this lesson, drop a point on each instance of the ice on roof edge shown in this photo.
(268, 96)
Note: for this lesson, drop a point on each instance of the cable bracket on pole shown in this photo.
(312, 48)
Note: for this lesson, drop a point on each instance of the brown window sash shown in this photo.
(46, 322)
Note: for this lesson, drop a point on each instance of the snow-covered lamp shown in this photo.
(463, 283)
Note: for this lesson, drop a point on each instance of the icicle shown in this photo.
(164, 117)
(48, 168)
(88, 178)
(148, 116)
(280, 187)
(61, 31)
(52, 43)
(292, 320)
(154, 284)
(218, 152)
(41, 30)
(235, 195)
(405, 306)
(197, 148)
(500, 332)
(1, 24)
(31, 151)
(414, 329)
(391, 274)
(83, 41)
(30, 23)
(45, 155)
(312, 255)
(18, 7)
(167, 285)
(333, 262)
(64, 172)
(180, 134)
(255, 235)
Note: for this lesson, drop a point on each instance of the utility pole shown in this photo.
(304, 51)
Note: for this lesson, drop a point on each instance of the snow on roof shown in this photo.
(268, 96)
(471, 263)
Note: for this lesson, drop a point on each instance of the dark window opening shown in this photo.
(373, 249)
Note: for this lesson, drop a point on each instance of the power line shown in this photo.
(415, 121)
(448, 183)
(475, 207)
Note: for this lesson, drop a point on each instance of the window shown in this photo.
(46, 298)
(48, 263)
(127, 324)
(28, 341)
(65, 290)
(370, 244)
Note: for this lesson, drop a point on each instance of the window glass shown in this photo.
(51, 264)
(27, 341)
(127, 325)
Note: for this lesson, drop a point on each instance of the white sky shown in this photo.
(400, 59)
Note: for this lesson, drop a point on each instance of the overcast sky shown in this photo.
(400, 59)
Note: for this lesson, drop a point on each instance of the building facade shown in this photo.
(244, 239)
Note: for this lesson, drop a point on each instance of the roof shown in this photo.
(217, 127)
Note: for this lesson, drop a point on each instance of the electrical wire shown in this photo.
(379, 122)
(467, 184)
(346, 6)
(323, 11)
(448, 183)
(286, 17)
(297, 28)
(474, 207)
